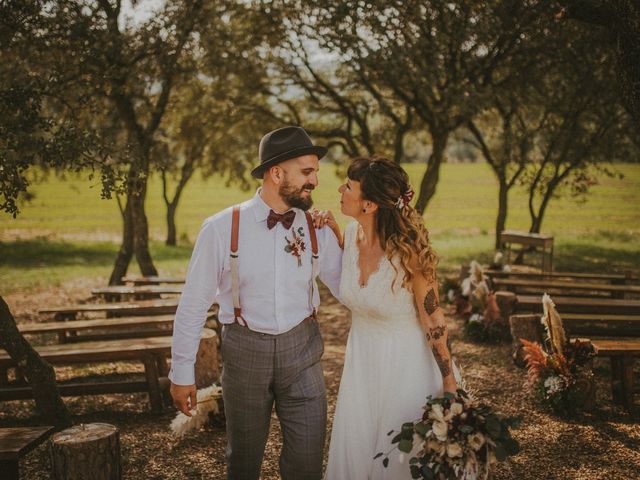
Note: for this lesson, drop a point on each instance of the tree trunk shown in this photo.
(171, 225)
(501, 219)
(141, 235)
(126, 248)
(536, 220)
(39, 373)
(86, 451)
(432, 175)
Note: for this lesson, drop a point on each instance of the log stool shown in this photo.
(528, 327)
(86, 451)
(207, 371)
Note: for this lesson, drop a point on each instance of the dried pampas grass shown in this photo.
(207, 403)
(553, 325)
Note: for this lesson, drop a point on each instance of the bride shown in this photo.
(397, 351)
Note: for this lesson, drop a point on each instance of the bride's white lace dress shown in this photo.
(389, 370)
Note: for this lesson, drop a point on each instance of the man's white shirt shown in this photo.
(274, 290)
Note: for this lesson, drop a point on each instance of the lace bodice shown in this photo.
(377, 303)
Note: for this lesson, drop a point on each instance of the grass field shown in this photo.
(67, 231)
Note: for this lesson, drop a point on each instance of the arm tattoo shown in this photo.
(431, 302)
(443, 363)
(436, 332)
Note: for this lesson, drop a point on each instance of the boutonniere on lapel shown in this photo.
(296, 245)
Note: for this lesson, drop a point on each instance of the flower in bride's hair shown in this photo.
(454, 450)
(404, 199)
(440, 430)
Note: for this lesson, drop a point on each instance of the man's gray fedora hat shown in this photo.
(283, 144)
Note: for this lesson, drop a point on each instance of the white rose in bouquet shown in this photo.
(440, 430)
(456, 408)
(454, 450)
(437, 413)
(476, 440)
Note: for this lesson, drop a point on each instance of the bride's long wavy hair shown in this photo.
(402, 231)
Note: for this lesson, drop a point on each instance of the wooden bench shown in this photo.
(154, 280)
(566, 287)
(622, 353)
(108, 328)
(609, 306)
(529, 241)
(602, 324)
(152, 352)
(143, 292)
(613, 278)
(143, 307)
(15, 443)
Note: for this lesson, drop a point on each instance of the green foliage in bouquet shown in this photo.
(459, 439)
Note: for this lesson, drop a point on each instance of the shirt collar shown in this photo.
(260, 208)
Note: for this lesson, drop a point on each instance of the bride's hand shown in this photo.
(322, 218)
(326, 218)
(450, 385)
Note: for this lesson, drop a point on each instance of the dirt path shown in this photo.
(602, 445)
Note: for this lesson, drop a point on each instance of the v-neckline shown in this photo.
(359, 270)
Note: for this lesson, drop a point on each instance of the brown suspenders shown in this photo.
(233, 262)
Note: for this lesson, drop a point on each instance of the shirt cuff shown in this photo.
(182, 375)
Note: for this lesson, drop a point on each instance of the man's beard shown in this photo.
(293, 196)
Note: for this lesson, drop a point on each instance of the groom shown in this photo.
(258, 262)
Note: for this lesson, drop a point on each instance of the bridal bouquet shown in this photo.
(457, 438)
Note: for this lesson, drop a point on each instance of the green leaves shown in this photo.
(421, 429)
(405, 445)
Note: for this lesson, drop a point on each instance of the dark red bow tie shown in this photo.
(285, 218)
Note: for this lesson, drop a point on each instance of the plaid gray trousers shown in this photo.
(260, 369)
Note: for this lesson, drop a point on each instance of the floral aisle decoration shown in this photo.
(476, 302)
(560, 370)
(457, 438)
(209, 405)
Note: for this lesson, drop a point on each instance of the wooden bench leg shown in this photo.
(10, 469)
(616, 379)
(4, 376)
(627, 383)
(153, 385)
(163, 371)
